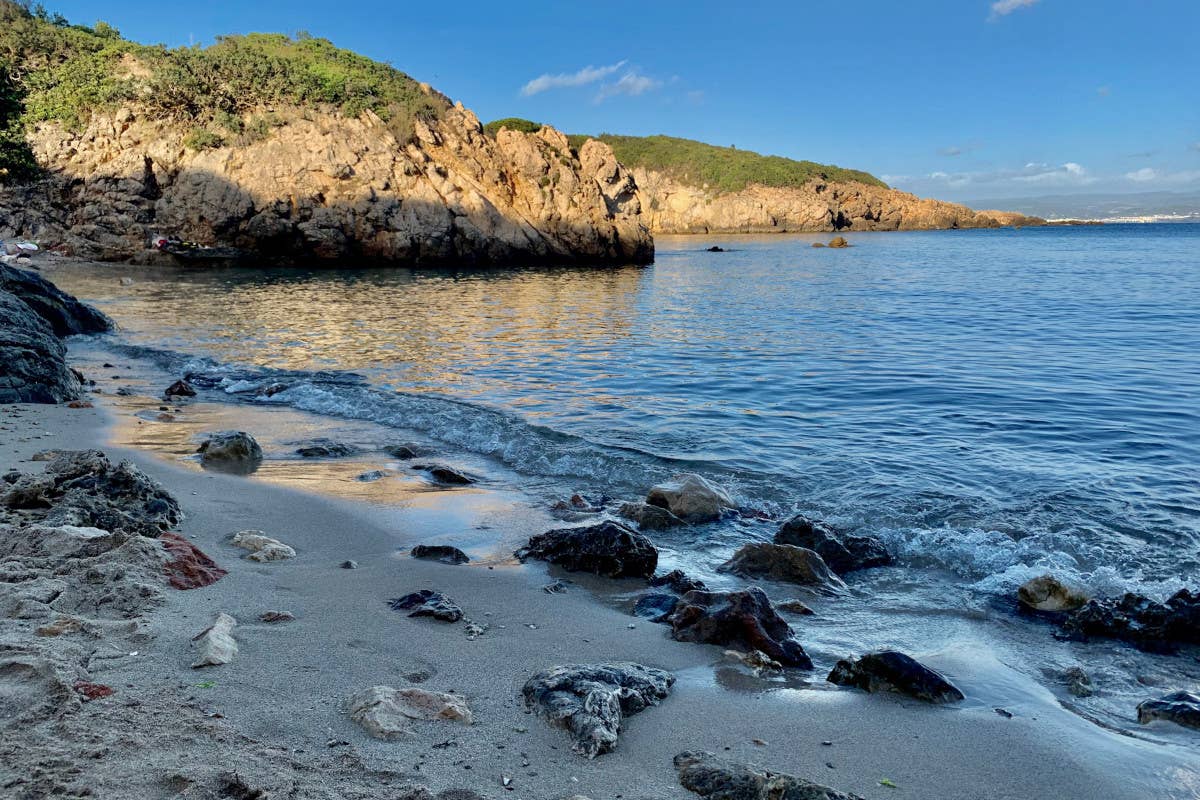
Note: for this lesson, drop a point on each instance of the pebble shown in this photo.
(348, 564)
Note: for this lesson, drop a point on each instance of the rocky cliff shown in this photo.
(672, 206)
(324, 186)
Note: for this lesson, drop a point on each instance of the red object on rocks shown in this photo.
(93, 691)
(189, 567)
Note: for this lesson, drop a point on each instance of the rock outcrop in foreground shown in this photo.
(326, 187)
(674, 207)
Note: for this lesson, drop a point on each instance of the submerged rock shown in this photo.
(691, 498)
(655, 606)
(782, 562)
(838, 241)
(742, 619)
(325, 448)
(1048, 593)
(893, 671)
(648, 517)
(403, 452)
(608, 548)
(1147, 624)
(230, 451)
(261, 546)
(843, 552)
(428, 603)
(719, 779)
(83, 488)
(444, 474)
(216, 643)
(1182, 708)
(385, 712)
(591, 701)
(371, 476)
(1079, 683)
(440, 552)
(188, 567)
(794, 606)
(180, 388)
(678, 581)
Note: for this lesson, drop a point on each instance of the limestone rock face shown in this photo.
(327, 187)
(817, 206)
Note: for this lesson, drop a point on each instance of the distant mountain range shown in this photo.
(1138, 207)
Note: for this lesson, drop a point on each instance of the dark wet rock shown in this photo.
(648, 517)
(349, 564)
(558, 587)
(1048, 593)
(371, 476)
(655, 606)
(1147, 624)
(276, 617)
(1182, 708)
(715, 249)
(608, 548)
(428, 603)
(403, 452)
(1078, 682)
(678, 581)
(794, 607)
(719, 779)
(782, 562)
(65, 315)
(591, 701)
(444, 474)
(84, 488)
(180, 388)
(188, 567)
(440, 552)
(126, 391)
(325, 448)
(691, 498)
(743, 619)
(230, 451)
(33, 366)
(843, 552)
(893, 671)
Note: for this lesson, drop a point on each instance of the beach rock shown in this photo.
(231, 451)
(648, 517)
(93, 691)
(216, 644)
(719, 779)
(188, 567)
(655, 606)
(608, 548)
(557, 587)
(276, 617)
(324, 448)
(794, 607)
(65, 315)
(1182, 708)
(428, 603)
(756, 660)
(691, 498)
(782, 562)
(1048, 593)
(444, 474)
(843, 552)
(1147, 624)
(403, 452)
(678, 581)
(1079, 683)
(838, 241)
(371, 476)
(440, 552)
(180, 388)
(262, 547)
(591, 701)
(62, 626)
(33, 365)
(385, 712)
(743, 619)
(83, 488)
(893, 671)
(349, 564)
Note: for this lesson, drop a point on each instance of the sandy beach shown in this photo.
(276, 716)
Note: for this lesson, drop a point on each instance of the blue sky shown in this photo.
(959, 99)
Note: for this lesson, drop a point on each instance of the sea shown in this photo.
(991, 404)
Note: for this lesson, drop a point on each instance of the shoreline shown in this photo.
(289, 684)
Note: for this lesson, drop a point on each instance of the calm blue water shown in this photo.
(990, 402)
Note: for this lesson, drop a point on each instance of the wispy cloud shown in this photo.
(632, 83)
(1142, 175)
(1068, 174)
(566, 80)
(1002, 8)
(953, 151)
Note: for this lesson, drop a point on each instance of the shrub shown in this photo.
(512, 123)
(203, 139)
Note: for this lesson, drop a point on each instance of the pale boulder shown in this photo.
(691, 498)
(262, 547)
(384, 712)
(1047, 593)
(216, 644)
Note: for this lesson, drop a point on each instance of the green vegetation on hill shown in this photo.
(51, 70)
(512, 123)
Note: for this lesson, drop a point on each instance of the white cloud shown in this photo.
(1002, 8)
(631, 83)
(1068, 174)
(1142, 175)
(565, 80)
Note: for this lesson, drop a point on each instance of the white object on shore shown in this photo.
(261, 546)
(383, 711)
(216, 643)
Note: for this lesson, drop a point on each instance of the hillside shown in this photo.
(692, 187)
(284, 149)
